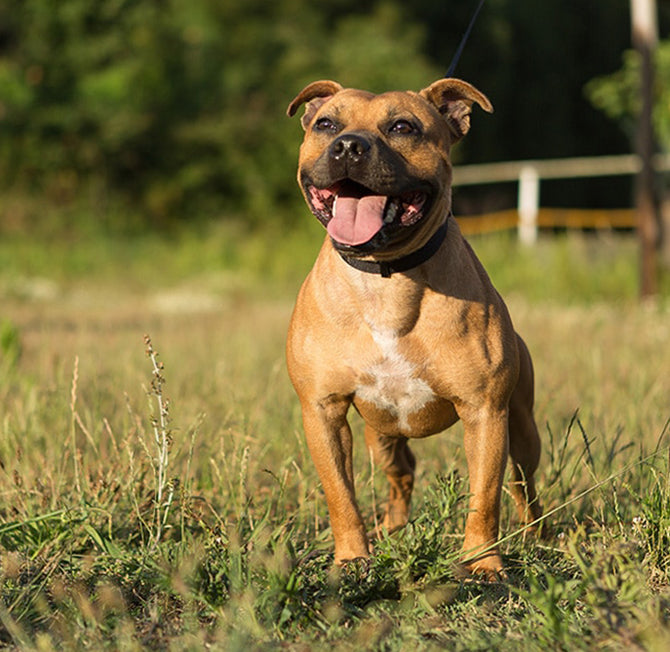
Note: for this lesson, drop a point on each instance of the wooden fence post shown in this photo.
(645, 37)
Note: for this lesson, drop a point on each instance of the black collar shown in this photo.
(387, 267)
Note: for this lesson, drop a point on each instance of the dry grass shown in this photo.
(93, 555)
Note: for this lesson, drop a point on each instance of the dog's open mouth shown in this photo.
(354, 214)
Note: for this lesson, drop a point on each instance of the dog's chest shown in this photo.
(391, 387)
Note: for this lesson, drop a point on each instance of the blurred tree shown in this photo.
(617, 95)
(178, 107)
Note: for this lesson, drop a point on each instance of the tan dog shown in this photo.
(398, 316)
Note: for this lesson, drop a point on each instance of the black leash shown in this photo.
(459, 51)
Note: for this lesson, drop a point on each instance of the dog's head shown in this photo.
(375, 169)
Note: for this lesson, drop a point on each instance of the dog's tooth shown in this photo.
(391, 211)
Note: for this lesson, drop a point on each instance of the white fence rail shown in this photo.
(528, 175)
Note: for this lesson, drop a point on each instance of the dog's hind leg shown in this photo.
(524, 441)
(394, 457)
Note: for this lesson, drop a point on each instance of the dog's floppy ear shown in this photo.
(315, 95)
(453, 98)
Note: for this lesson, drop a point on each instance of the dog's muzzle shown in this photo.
(353, 214)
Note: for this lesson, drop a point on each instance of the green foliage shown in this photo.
(618, 94)
(379, 51)
(163, 110)
(178, 107)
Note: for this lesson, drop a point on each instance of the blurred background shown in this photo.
(123, 117)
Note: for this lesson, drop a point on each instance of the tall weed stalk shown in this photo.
(160, 422)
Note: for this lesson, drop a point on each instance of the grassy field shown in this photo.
(167, 500)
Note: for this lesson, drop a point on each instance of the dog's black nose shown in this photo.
(349, 146)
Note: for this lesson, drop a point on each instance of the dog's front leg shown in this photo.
(330, 444)
(486, 446)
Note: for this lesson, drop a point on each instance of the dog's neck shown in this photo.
(386, 268)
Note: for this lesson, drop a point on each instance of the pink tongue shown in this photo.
(355, 220)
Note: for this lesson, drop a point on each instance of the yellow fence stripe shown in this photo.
(569, 218)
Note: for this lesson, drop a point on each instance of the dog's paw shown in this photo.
(487, 568)
(362, 555)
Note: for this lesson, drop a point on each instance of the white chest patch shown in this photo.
(391, 383)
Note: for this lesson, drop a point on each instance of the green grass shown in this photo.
(228, 257)
(226, 543)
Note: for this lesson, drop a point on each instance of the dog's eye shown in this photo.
(403, 127)
(325, 124)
